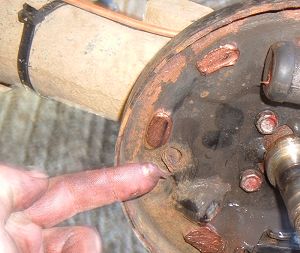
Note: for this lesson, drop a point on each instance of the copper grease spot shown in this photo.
(216, 59)
(159, 130)
(205, 239)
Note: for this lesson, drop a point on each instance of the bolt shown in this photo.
(266, 122)
(251, 180)
(171, 157)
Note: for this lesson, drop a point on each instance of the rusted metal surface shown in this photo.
(224, 56)
(201, 199)
(241, 11)
(269, 140)
(159, 129)
(213, 126)
(171, 157)
(205, 239)
(169, 71)
(251, 180)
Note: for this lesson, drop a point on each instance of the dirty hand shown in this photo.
(31, 204)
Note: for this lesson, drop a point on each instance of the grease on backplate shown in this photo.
(201, 199)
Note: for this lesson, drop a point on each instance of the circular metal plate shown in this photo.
(192, 112)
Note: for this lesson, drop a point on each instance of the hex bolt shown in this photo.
(266, 122)
(251, 180)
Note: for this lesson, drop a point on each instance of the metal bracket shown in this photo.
(271, 242)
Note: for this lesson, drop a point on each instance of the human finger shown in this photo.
(26, 235)
(19, 189)
(74, 193)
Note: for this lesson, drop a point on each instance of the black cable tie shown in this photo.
(31, 18)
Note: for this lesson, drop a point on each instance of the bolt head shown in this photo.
(251, 180)
(266, 122)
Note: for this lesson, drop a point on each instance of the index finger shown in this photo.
(70, 194)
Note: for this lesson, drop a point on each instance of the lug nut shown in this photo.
(251, 180)
(266, 122)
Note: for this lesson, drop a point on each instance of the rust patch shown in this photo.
(211, 38)
(281, 131)
(205, 239)
(171, 158)
(237, 19)
(170, 71)
(159, 130)
(224, 56)
(160, 65)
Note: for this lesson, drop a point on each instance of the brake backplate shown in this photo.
(192, 112)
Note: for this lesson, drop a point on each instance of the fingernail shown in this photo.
(152, 169)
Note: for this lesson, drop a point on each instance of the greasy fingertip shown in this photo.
(133, 180)
(150, 169)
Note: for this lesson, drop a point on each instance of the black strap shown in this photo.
(31, 17)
